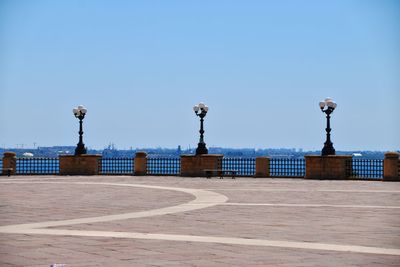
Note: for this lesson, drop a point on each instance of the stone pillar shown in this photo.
(9, 163)
(80, 164)
(328, 167)
(194, 166)
(391, 167)
(140, 163)
(262, 167)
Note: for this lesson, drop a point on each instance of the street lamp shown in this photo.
(80, 113)
(328, 106)
(201, 111)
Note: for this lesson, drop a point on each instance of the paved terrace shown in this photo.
(173, 221)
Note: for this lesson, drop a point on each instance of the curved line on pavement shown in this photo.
(203, 199)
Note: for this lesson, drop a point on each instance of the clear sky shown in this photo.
(140, 66)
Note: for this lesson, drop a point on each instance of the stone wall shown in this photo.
(80, 164)
(328, 167)
(194, 166)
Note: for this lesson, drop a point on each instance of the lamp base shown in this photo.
(328, 150)
(201, 149)
(80, 150)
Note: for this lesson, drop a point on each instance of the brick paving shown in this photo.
(261, 222)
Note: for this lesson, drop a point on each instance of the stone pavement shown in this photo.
(174, 221)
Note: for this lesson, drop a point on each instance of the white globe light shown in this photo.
(322, 104)
(80, 107)
(196, 108)
(83, 110)
(206, 108)
(201, 105)
(330, 104)
(328, 99)
(75, 110)
(334, 105)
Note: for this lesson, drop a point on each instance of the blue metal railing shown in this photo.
(365, 168)
(117, 166)
(47, 166)
(287, 167)
(163, 166)
(243, 166)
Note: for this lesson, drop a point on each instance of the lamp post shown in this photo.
(80, 113)
(201, 110)
(328, 106)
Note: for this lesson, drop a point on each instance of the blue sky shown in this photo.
(140, 66)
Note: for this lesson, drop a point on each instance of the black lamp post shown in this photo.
(328, 106)
(201, 111)
(80, 113)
